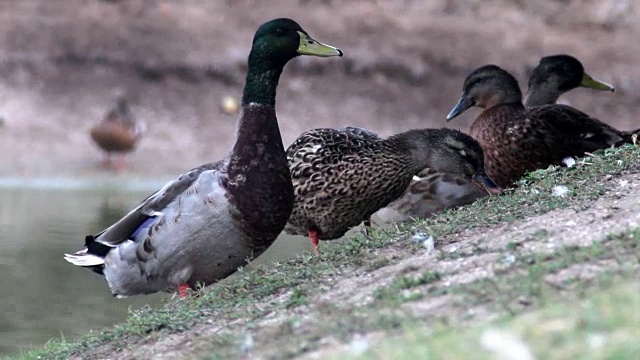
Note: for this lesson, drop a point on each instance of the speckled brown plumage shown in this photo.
(516, 140)
(342, 176)
(117, 134)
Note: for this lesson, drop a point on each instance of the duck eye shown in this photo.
(280, 31)
(462, 152)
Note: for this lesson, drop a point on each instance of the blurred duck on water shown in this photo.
(117, 134)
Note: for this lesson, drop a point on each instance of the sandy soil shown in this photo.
(405, 62)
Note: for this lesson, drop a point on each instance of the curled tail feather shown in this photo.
(92, 256)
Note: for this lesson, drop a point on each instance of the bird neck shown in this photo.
(262, 79)
(415, 145)
(541, 95)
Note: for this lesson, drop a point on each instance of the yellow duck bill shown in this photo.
(309, 46)
(589, 82)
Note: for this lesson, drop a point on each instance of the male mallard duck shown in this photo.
(205, 224)
(342, 176)
(516, 140)
(118, 133)
(555, 75)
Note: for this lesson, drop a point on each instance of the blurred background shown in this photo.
(61, 62)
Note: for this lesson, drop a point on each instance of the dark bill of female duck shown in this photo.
(463, 104)
(484, 182)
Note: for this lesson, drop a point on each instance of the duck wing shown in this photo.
(150, 207)
(578, 131)
(328, 145)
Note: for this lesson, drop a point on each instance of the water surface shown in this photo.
(43, 296)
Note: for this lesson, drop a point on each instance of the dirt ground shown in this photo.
(61, 63)
(485, 256)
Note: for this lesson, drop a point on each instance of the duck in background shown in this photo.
(555, 75)
(431, 192)
(203, 226)
(343, 176)
(117, 134)
(516, 140)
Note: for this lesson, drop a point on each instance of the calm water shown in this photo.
(43, 296)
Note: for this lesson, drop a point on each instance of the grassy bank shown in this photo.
(547, 269)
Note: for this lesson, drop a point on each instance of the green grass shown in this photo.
(603, 324)
(285, 287)
(396, 292)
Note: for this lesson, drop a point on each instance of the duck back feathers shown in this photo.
(342, 176)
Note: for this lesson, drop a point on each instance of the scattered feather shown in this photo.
(358, 345)
(569, 162)
(247, 344)
(509, 259)
(560, 190)
(425, 240)
(505, 345)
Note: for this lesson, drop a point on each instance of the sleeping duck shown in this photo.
(205, 224)
(342, 176)
(517, 140)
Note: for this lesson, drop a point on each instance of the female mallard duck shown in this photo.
(516, 140)
(555, 75)
(202, 226)
(342, 176)
(118, 133)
